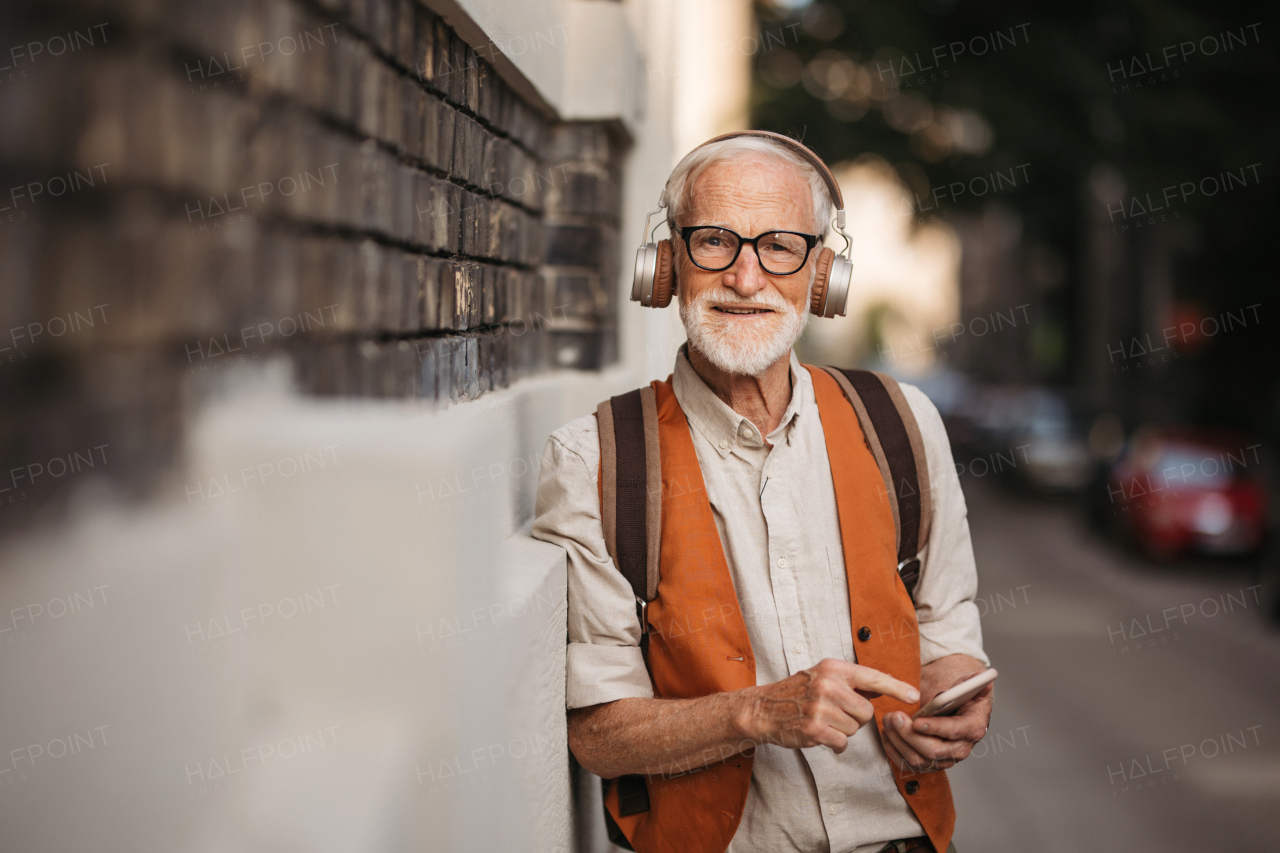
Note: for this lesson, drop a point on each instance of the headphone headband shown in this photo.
(799, 148)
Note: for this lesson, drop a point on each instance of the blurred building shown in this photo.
(904, 299)
(293, 294)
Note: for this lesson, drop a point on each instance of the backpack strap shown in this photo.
(631, 512)
(631, 485)
(893, 437)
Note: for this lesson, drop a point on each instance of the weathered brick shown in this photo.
(428, 285)
(432, 108)
(424, 49)
(402, 182)
(573, 245)
(379, 182)
(412, 117)
(349, 60)
(404, 31)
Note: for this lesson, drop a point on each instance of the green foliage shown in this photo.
(1068, 89)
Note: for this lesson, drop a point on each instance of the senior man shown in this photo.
(796, 559)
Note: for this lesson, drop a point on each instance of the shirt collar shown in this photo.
(724, 428)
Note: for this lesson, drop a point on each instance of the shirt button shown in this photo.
(799, 648)
(832, 809)
(724, 442)
(782, 562)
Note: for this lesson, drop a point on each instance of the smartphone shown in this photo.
(949, 701)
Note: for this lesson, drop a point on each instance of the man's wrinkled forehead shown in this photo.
(758, 190)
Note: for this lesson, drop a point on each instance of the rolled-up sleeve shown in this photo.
(945, 608)
(604, 662)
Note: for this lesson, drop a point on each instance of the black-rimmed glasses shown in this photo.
(715, 249)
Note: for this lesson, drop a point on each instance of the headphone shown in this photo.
(654, 282)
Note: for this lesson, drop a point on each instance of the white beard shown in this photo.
(748, 352)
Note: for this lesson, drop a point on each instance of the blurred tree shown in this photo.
(1079, 116)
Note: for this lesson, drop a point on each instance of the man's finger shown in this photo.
(914, 759)
(890, 750)
(853, 704)
(968, 725)
(864, 678)
(834, 738)
(962, 679)
(932, 748)
(839, 718)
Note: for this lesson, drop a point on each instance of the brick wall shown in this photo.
(341, 184)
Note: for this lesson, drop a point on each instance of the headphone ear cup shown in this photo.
(642, 283)
(664, 280)
(821, 280)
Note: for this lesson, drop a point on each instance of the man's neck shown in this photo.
(760, 399)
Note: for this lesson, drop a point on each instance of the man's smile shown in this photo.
(741, 309)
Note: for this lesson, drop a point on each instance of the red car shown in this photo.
(1179, 489)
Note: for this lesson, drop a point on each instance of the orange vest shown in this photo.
(698, 643)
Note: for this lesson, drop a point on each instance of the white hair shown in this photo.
(676, 195)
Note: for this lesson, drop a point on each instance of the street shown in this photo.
(1138, 706)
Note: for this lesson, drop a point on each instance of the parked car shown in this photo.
(1180, 489)
(1054, 452)
(1026, 434)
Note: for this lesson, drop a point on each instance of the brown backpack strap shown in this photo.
(893, 437)
(631, 481)
(631, 512)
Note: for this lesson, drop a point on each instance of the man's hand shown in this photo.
(825, 704)
(936, 743)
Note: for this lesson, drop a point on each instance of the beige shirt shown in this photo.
(775, 511)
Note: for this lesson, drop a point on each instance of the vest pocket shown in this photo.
(839, 593)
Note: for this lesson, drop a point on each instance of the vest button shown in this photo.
(864, 633)
(913, 786)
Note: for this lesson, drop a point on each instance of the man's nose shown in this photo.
(745, 276)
